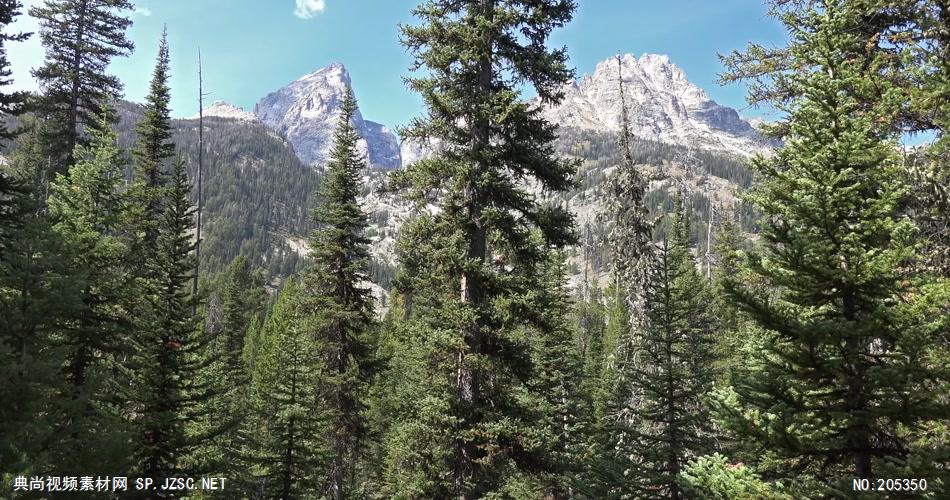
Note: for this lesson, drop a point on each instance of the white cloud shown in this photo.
(307, 9)
(142, 11)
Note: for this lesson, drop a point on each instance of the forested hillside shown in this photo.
(258, 194)
(714, 180)
(525, 311)
(256, 191)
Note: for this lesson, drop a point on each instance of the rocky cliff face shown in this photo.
(662, 104)
(307, 110)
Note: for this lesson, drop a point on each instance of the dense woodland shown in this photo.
(814, 353)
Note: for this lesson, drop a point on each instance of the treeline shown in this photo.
(816, 355)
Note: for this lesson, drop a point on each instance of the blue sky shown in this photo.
(253, 47)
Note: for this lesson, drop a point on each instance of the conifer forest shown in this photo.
(794, 344)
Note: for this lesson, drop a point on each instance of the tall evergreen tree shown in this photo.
(630, 240)
(923, 28)
(851, 375)
(337, 304)
(88, 210)
(166, 387)
(591, 325)
(558, 382)
(729, 323)
(10, 103)
(477, 56)
(235, 305)
(288, 452)
(608, 463)
(36, 295)
(153, 150)
(674, 369)
(241, 298)
(630, 234)
(80, 37)
(908, 45)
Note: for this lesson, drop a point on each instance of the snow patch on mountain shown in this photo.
(222, 109)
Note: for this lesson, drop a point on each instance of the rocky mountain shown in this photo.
(263, 167)
(221, 109)
(306, 112)
(663, 106)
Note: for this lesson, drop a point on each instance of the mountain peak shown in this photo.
(307, 110)
(223, 109)
(664, 106)
(647, 58)
(334, 73)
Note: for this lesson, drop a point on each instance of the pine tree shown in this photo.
(630, 234)
(241, 298)
(88, 210)
(562, 407)
(491, 141)
(907, 44)
(630, 240)
(252, 340)
(669, 425)
(80, 37)
(153, 150)
(850, 377)
(337, 304)
(730, 325)
(167, 389)
(926, 38)
(289, 419)
(219, 424)
(592, 318)
(36, 295)
(10, 103)
(608, 462)
(240, 301)
(712, 477)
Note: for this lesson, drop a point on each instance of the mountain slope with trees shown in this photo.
(572, 313)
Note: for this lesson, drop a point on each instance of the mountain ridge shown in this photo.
(304, 115)
(663, 106)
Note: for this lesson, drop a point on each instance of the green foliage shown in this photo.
(36, 295)
(736, 335)
(169, 351)
(88, 211)
(600, 152)
(80, 38)
(10, 103)
(463, 430)
(236, 304)
(256, 192)
(590, 310)
(825, 392)
(669, 371)
(337, 309)
(819, 352)
(288, 420)
(152, 151)
(556, 389)
(713, 477)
